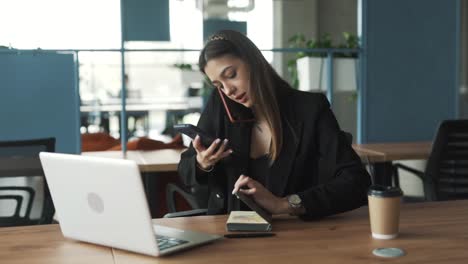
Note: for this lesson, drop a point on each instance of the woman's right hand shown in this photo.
(208, 157)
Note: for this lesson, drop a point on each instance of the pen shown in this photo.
(249, 235)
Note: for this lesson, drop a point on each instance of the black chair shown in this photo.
(446, 173)
(21, 159)
(198, 195)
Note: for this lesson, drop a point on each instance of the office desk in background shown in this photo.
(137, 109)
(163, 160)
(385, 152)
(141, 104)
(168, 159)
(429, 233)
(381, 156)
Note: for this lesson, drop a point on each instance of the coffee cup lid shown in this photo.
(384, 191)
(389, 252)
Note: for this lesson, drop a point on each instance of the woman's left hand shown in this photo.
(261, 195)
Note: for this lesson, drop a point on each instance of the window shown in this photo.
(95, 24)
(60, 24)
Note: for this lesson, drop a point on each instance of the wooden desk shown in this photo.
(429, 233)
(148, 161)
(381, 156)
(46, 245)
(384, 152)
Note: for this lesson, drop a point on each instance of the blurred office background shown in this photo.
(391, 69)
(158, 77)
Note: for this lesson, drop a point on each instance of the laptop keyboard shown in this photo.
(165, 242)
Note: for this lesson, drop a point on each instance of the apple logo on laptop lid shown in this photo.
(95, 202)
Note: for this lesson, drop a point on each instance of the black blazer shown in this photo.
(311, 137)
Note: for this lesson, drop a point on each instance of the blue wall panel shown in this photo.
(146, 20)
(411, 65)
(39, 98)
(210, 26)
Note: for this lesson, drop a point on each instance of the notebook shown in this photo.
(257, 220)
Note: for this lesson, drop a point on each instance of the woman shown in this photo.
(271, 140)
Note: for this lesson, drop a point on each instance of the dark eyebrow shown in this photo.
(224, 70)
(222, 73)
(227, 68)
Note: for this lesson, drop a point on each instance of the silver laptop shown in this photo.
(102, 201)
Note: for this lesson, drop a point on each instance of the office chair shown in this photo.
(446, 173)
(197, 196)
(21, 159)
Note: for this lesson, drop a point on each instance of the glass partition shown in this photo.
(162, 79)
(165, 87)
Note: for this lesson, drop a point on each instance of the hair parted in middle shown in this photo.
(265, 83)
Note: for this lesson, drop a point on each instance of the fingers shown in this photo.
(244, 181)
(225, 154)
(221, 153)
(197, 145)
(211, 150)
(211, 155)
(250, 191)
(222, 147)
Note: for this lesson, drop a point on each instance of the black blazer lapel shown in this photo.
(281, 168)
(239, 136)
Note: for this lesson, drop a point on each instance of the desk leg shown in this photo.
(383, 173)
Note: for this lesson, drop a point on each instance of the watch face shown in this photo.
(294, 199)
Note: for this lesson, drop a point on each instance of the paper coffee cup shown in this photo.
(384, 211)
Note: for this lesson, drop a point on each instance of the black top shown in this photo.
(259, 169)
(316, 161)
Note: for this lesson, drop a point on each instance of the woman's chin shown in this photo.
(247, 104)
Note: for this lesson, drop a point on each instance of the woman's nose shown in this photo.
(229, 90)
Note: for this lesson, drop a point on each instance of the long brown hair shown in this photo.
(265, 83)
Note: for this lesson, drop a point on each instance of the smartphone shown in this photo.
(249, 201)
(192, 131)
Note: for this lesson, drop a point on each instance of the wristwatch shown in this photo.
(295, 203)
